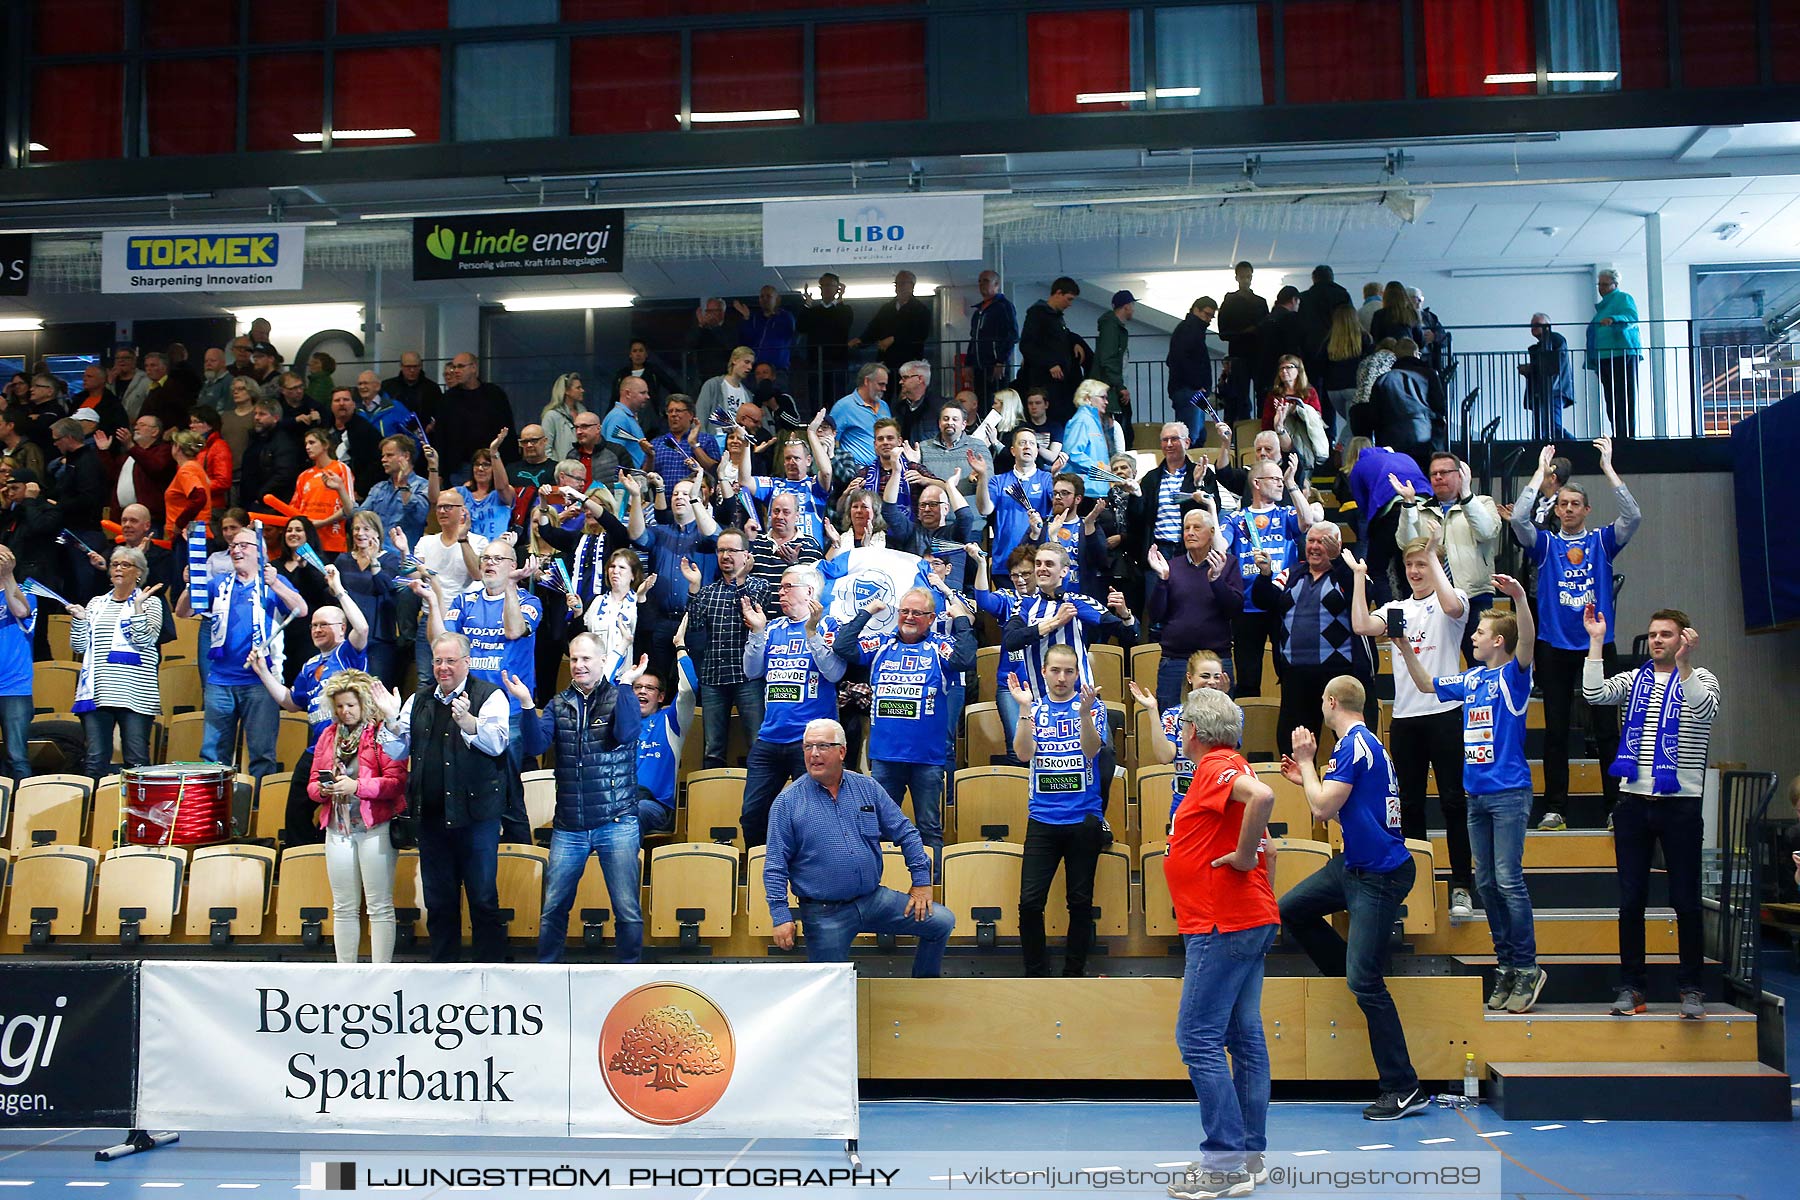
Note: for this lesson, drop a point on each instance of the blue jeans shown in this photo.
(769, 767)
(97, 730)
(830, 927)
(1221, 1010)
(1373, 901)
(715, 710)
(15, 722)
(653, 815)
(926, 782)
(1497, 824)
(1191, 415)
(454, 861)
(251, 707)
(956, 697)
(616, 842)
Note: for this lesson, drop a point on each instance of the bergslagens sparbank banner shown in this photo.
(250, 258)
(872, 229)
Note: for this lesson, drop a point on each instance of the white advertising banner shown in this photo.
(248, 258)
(757, 1050)
(872, 229)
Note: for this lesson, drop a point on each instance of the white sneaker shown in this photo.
(1553, 821)
(1462, 907)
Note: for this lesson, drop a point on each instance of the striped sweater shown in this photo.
(1699, 704)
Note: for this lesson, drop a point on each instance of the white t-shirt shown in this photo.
(447, 561)
(1437, 639)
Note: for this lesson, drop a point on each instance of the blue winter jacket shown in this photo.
(596, 753)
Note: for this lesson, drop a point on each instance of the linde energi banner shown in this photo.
(491, 245)
(872, 229)
(248, 258)
(68, 1044)
(761, 1050)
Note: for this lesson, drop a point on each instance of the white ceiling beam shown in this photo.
(1706, 143)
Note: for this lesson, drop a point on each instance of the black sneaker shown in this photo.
(1198, 1183)
(1693, 1004)
(1394, 1105)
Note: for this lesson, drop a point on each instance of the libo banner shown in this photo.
(68, 1044)
(607, 1051)
(249, 258)
(872, 229)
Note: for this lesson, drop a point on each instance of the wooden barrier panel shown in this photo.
(1441, 1016)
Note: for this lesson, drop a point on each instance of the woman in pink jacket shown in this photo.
(358, 789)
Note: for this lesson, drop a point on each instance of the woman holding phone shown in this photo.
(359, 790)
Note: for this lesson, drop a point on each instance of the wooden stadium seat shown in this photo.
(715, 801)
(53, 686)
(6, 791)
(236, 877)
(1156, 801)
(292, 739)
(1291, 808)
(540, 797)
(1261, 717)
(981, 886)
(591, 897)
(1143, 663)
(56, 629)
(756, 901)
(1112, 897)
(1146, 435)
(520, 882)
(1107, 662)
(183, 735)
(992, 804)
(139, 892)
(187, 640)
(271, 806)
(1159, 909)
(987, 666)
(1118, 806)
(179, 683)
(52, 891)
(1295, 860)
(108, 815)
(983, 737)
(302, 891)
(693, 891)
(49, 810)
(693, 748)
(1421, 901)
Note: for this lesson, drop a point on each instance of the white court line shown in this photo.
(1594, 1121)
(153, 1184)
(1434, 1141)
(1158, 1166)
(1541, 1128)
(1496, 1133)
(1377, 1146)
(1309, 1153)
(86, 1183)
(241, 1187)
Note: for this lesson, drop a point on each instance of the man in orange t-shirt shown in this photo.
(1225, 909)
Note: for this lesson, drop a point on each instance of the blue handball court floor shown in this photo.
(1023, 1148)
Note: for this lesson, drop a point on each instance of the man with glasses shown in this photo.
(919, 405)
(683, 446)
(587, 445)
(792, 657)
(1466, 525)
(340, 634)
(716, 637)
(914, 674)
(456, 788)
(784, 546)
(480, 413)
(245, 604)
(825, 836)
(500, 621)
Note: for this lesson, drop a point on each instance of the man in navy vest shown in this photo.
(594, 724)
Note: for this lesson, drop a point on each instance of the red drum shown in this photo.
(178, 804)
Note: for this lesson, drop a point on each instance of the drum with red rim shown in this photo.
(178, 804)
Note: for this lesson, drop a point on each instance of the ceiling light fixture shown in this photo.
(1133, 97)
(749, 114)
(1553, 77)
(566, 300)
(355, 135)
(38, 148)
(20, 324)
(884, 290)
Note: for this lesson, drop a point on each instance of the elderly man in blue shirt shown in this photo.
(825, 835)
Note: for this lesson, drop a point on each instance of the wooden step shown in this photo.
(1590, 848)
(1586, 979)
(1559, 931)
(1588, 1033)
(1639, 1091)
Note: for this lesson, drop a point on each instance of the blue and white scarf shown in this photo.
(263, 635)
(1665, 750)
(120, 653)
(199, 578)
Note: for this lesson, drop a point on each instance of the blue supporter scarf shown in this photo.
(1664, 779)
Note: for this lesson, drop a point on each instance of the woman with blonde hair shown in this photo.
(189, 494)
(1084, 438)
(1397, 317)
(567, 401)
(1345, 348)
(359, 790)
(1001, 420)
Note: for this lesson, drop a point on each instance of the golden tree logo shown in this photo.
(666, 1053)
